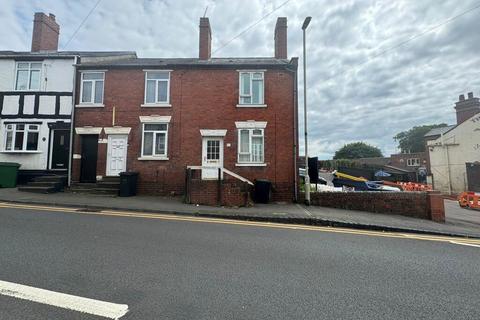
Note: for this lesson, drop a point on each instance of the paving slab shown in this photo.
(460, 222)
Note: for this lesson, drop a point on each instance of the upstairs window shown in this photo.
(413, 162)
(21, 137)
(28, 76)
(92, 88)
(157, 87)
(154, 140)
(251, 88)
(250, 146)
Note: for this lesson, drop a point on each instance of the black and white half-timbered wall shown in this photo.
(36, 97)
(36, 100)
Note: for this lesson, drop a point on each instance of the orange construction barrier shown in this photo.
(469, 200)
(413, 186)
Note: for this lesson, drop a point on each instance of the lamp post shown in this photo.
(307, 177)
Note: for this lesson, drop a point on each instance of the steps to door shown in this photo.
(45, 184)
(106, 186)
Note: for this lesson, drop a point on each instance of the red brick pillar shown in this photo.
(436, 207)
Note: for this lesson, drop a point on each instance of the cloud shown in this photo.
(349, 99)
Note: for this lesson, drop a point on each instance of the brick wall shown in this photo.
(45, 32)
(232, 193)
(421, 205)
(200, 99)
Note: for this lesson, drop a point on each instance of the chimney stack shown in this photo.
(281, 38)
(205, 47)
(466, 108)
(45, 32)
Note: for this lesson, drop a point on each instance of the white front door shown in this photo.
(116, 154)
(212, 156)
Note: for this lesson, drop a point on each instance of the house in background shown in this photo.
(36, 98)
(159, 116)
(455, 150)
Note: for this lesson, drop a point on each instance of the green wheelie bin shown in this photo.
(8, 174)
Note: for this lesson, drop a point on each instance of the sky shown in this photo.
(366, 79)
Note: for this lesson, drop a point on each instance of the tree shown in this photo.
(412, 140)
(357, 150)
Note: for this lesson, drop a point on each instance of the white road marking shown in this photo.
(304, 210)
(62, 300)
(465, 244)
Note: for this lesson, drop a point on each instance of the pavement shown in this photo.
(459, 221)
(178, 267)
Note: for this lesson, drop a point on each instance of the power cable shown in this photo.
(82, 23)
(250, 27)
(401, 44)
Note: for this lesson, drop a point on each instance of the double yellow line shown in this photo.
(146, 215)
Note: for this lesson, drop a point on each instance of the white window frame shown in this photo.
(92, 102)
(413, 162)
(154, 156)
(157, 103)
(251, 135)
(29, 69)
(25, 131)
(260, 104)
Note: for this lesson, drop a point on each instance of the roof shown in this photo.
(379, 161)
(63, 54)
(439, 131)
(195, 62)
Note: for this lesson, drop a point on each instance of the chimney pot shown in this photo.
(45, 32)
(280, 38)
(205, 39)
(466, 109)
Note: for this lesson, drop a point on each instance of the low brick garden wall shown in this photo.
(209, 192)
(421, 205)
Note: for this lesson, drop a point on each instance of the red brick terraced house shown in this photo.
(160, 116)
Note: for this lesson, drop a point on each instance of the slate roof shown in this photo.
(63, 54)
(194, 62)
(439, 131)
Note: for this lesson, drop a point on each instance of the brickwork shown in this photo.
(232, 193)
(280, 37)
(205, 39)
(200, 99)
(412, 204)
(467, 108)
(45, 33)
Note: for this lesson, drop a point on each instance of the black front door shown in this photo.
(88, 168)
(60, 147)
(473, 176)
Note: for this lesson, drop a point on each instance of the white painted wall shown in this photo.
(57, 75)
(31, 160)
(461, 145)
(7, 75)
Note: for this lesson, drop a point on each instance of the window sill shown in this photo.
(22, 151)
(90, 105)
(251, 105)
(149, 158)
(250, 164)
(156, 105)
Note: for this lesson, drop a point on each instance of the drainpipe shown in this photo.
(295, 134)
(447, 161)
(72, 121)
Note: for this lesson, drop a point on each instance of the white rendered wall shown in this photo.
(461, 145)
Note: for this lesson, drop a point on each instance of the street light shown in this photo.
(307, 177)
